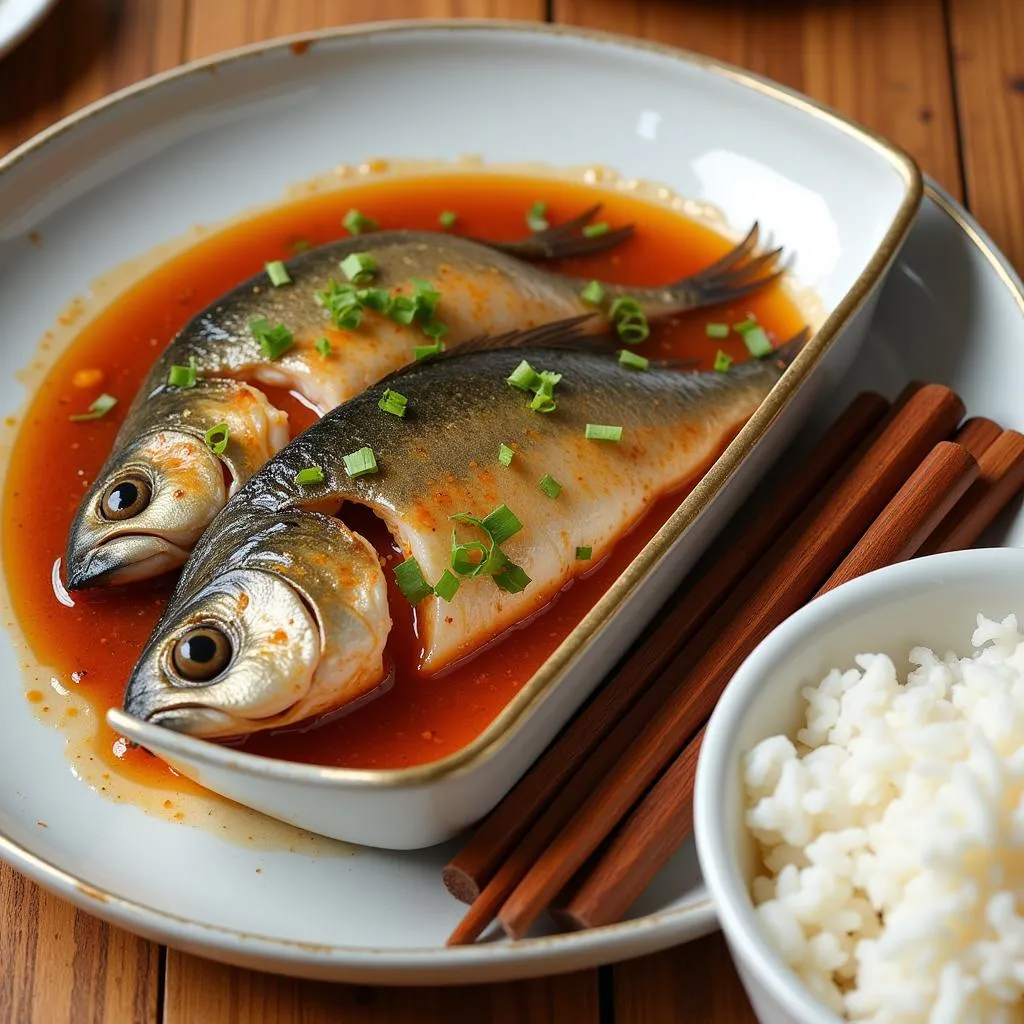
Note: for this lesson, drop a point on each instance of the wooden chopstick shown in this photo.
(664, 817)
(929, 416)
(976, 434)
(477, 863)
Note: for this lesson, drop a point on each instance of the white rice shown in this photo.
(892, 835)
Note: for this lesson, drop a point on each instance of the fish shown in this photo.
(199, 426)
(281, 612)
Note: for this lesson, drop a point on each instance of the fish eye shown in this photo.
(201, 654)
(126, 497)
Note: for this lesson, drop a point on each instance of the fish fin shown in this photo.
(563, 240)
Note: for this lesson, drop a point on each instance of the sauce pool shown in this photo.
(92, 645)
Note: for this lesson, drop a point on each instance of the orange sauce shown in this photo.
(93, 645)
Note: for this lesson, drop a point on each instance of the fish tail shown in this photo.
(563, 241)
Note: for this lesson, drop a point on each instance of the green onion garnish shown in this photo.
(446, 586)
(373, 298)
(593, 293)
(355, 223)
(536, 217)
(183, 376)
(501, 524)
(602, 432)
(446, 219)
(426, 351)
(629, 319)
(274, 341)
(360, 463)
(717, 330)
(342, 303)
(99, 408)
(745, 325)
(524, 377)
(722, 362)
(757, 342)
(542, 402)
(309, 476)
(632, 360)
(505, 454)
(323, 346)
(409, 577)
(217, 438)
(466, 559)
(278, 273)
(358, 267)
(583, 554)
(393, 402)
(301, 244)
(602, 227)
(550, 486)
(512, 579)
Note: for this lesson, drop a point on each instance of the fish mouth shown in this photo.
(197, 720)
(123, 559)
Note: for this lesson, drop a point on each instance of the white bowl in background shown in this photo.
(930, 601)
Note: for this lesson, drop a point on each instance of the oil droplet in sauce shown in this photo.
(91, 641)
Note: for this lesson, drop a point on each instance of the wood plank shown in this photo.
(883, 62)
(219, 26)
(82, 51)
(216, 994)
(988, 46)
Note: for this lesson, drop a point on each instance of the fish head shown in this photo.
(289, 625)
(187, 452)
(145, 511)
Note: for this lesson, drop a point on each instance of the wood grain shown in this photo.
(988, 42)
(882, 62)
(217, 994)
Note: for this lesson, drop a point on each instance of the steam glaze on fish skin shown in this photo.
(482, 289)
(440, 459)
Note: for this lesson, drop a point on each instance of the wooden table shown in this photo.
(944, 78)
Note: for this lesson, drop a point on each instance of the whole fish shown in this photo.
(198, 429)
(282, 611)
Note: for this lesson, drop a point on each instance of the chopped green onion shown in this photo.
(183, 376)
(409, 577)
(301, 245)
(466, 559)
(309, 476)
(274, 341)
(722, 362)
(278, 273)
(717, 330)
(583, 554)
(513, 580)
(401, 309)
(358, 267)
(342, 303)
(360, 463)
(501, 524)
(355, 223)
(632, 360)
(602, 227)
(446, 219)
(426, 351)
(550, 486)
(602, 432)
(373, 298)
(323, 346)
(99, 408)
(393, 402)
(542, 402)
(745, 325)
(524, 377)
(505, 454)
(217, 438)
(446, 586)
(593, 293)
(426, 298)
(757, 342)
(629, 320)
(536, 217)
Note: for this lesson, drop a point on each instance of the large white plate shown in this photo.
(952, 311)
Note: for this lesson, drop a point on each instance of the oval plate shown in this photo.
(952, 307)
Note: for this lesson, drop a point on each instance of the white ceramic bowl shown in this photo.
(931, 601)
(832, 194)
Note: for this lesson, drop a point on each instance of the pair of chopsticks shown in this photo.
(587, 828)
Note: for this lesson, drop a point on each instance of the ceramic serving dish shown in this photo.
(929, 601)
(836, 197)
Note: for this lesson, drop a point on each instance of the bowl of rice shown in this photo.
(859, 803)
